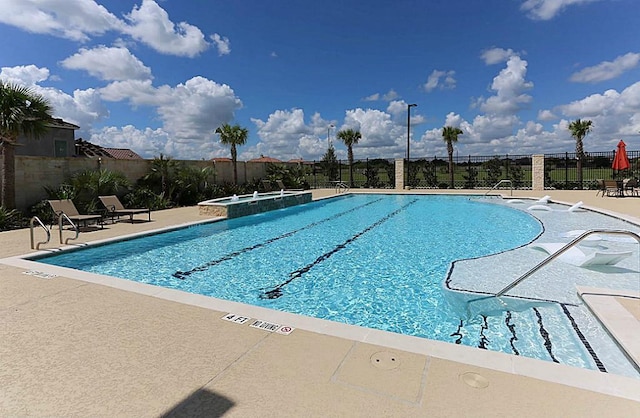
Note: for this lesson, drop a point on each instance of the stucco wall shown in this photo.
(34, 173)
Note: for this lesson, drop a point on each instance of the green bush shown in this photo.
(10, 219)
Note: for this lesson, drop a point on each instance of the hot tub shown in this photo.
(236, 206)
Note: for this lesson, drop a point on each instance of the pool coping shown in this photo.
(621, 324)
(605, 383)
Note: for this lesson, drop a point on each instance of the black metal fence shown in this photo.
(471, 172)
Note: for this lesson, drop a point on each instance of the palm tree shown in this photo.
(450, 135)
(350, 137)
(579, 129)
(22, 111)
(233, 135)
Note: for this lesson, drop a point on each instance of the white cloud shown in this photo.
(509, 85)
(440, 79)
(83, 108)
(546, 115)
(286, 136)
(150, 24)
(387, 97)
(496, 55)
(148, 143)
(71, 19)
(222, 43)
(28, 75)
(548, 9)
(108, 63)
(607, 70)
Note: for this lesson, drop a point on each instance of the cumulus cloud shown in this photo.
(151, 25)
(77, 20)
(509, 85)
(28, 75)
(222, 43)
(607, 70)
(546, 115)
(548, 9)
(83, 108)
(440, 79)
(108, 63)
(388, 96)
(190, 111)
(496, 55)
(286, 135)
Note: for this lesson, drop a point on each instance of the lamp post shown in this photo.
(409, 106)
(329, 136)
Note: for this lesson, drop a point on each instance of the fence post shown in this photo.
(566, 170)
(399, 173)
(537, 172)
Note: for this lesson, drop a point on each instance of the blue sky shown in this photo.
(160, 76)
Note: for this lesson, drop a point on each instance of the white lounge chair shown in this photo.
(549, 209)
(542, 200)
(598, 237)
(577, 257)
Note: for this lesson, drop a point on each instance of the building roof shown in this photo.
(123, 154)
(221, 159)
(264, 159)
(87, 149)
(59, 123)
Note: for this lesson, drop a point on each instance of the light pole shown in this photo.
(328, 136)
(409, 106)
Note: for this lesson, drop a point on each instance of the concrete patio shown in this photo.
(71, 347)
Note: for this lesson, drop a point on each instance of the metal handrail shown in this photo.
(61, 217)
(498, 184)
(562, 250)
(341, 186)
(37, 246)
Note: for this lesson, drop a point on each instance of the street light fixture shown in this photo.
(409, 106)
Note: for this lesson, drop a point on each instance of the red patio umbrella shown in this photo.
(620, 160)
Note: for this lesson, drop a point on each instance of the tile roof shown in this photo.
(87, 149)
(264, 159)
(123, 154)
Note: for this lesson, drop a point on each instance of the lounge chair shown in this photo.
(67, 207)
(115, 208)
(281, 187)
(577, 257)
(267, 186)
(631, 187)
(543, 200)
(549, 209)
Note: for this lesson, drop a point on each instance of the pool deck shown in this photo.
(71, 347)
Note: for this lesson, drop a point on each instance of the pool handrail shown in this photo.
(31, 222)
(61, 219)
(498, 184)
(555, 255)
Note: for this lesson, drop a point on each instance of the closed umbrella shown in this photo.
(620, 160)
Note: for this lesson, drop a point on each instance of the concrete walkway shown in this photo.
(70, 347)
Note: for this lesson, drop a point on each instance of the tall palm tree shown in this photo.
(350, 137)
(22, 111)
(450, 135)
(579, 129)
(234, 136)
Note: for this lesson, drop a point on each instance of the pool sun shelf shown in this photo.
(237, 206)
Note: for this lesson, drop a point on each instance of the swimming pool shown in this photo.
(370, 260)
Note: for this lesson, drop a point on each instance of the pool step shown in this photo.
(542, 332)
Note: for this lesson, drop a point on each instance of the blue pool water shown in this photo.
(377, 261)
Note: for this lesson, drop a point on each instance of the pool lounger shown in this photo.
(543, 200)
(548, 209)
(577, 257)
